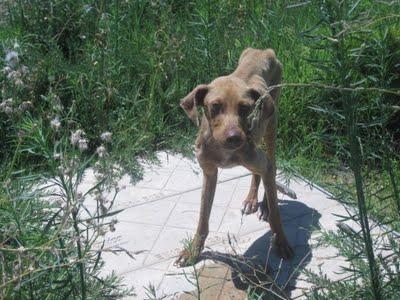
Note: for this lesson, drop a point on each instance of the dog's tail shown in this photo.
(286, 190)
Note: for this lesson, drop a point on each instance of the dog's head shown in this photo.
(227, 103)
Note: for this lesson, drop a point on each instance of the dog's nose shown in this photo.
(233, 139)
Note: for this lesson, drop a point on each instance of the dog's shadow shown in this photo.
(260, 267)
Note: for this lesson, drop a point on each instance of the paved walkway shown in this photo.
(162, 210)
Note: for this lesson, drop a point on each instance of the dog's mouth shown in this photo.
(233, 145)
(233, 140)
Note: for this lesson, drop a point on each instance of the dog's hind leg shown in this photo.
(250, 204)
(257, 161)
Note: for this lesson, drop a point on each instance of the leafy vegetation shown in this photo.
(361, 60)
(52, 229)
(73, 70)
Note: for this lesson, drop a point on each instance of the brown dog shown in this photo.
(225, 140)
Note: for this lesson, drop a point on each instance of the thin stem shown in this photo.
(396, 192)
(80, 264)
(349, 103)
(355, 162)
(337, 88)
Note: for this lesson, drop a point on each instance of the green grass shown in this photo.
(137, 60)
(123, 66)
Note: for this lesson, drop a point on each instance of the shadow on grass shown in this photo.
(260, 267)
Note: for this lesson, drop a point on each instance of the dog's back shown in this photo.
(260, 69)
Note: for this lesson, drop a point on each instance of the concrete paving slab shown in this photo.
(235, 223)
(238, 171)
(185, 216)
(143, 279)
(224, 193)
(162, 210)
(153, 213)
(133, 196)
(155, 179)
(169, 160)
(184, 179)
(135, 238)
(168, 244)
(241, 192)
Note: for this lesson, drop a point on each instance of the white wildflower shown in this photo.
(74, 211)
(106, 136)
(61, 170)
(21, 133)
(74, 162)
(87, 8)
(8, 101)
(57, 156)
(7, 70)
(64, 170)
(71, 260)
(7, 183)
(12, 58)
(103, 209)
(6, 106)
(83, 144)
(17, 287)
(24, 70)
(101, 151)
(79, 197)
(55, 123)
(98, 174)
(18, 82)
(100, 198)
(26, 105)
(57, 105)
(14, 75)
(76, 136)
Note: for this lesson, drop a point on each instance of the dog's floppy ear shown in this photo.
(192, 100)
(268, 102)
(269, 107)
(253, 94)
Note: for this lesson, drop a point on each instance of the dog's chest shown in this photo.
(218, 157)
(228, 161)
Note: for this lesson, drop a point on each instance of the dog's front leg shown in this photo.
(256, 161)
(190, 254)
(250, 204)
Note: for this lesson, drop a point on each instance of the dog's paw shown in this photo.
(249, 206)
(186, 258)
(263, 213)
(283, 248)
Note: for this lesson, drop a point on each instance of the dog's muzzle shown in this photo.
(233, 140)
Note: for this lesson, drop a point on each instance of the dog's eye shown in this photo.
(244, 110)
(215, 109)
